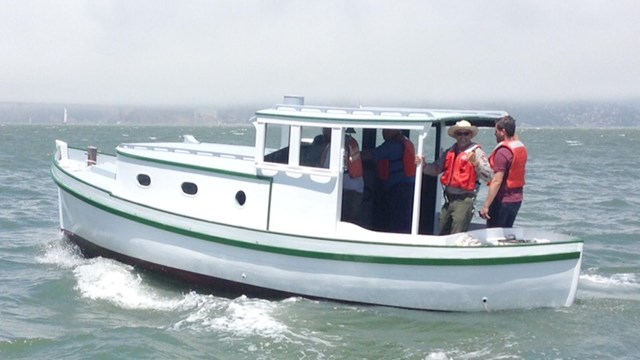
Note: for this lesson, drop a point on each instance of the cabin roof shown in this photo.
(377, 116)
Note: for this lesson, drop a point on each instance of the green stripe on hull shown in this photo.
(315, 254)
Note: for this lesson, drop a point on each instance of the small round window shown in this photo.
(241, 198)
(189, 188)
(144, 180)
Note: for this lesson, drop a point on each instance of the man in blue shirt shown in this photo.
(395, 163)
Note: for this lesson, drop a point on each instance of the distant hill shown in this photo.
(566, 114)
(25, 113)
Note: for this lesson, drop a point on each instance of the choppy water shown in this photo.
(56, 304)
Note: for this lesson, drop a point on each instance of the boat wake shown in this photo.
(626, 280)
(109, 281)
(624, 286)
(116, 283)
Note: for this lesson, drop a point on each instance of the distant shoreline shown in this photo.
(605, 114)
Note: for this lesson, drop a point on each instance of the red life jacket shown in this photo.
(515, 179)
(458, 171)
(409, 157)
(353, 161)
(408, 161)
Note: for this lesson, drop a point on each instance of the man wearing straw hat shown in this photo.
(463, 166)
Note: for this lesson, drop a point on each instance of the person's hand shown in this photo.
(484, 213)
(419, 160)
(472, 158)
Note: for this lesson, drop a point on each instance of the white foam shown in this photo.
(109, 281)
(615, 280)
(438, 355)
(459, 354)
(114, 282)
(245, 318)
(241, 317)
(61, 253)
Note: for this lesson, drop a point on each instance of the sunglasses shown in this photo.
(463, 133)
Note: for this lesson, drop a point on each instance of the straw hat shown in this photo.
(463, 125)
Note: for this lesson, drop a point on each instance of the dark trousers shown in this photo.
(397, 208)
(352, 207)
(502, 214)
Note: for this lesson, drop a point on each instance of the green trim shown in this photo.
(320, 255)
(55, 163)
(193, 167)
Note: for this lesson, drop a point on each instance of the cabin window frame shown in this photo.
(295, 155)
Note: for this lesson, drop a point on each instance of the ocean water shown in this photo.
(56, 304)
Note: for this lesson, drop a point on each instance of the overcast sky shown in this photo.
(208, 52)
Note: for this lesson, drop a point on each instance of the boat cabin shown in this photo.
(308, 172)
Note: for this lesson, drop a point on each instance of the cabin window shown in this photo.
(144, 180)
(189, 188)
(315, 147)
(241, 198)
(276, 148)
(297, 145)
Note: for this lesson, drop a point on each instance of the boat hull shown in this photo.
(262, 263)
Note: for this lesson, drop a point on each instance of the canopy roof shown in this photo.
(376, 116)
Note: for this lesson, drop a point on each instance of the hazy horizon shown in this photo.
(235, 53)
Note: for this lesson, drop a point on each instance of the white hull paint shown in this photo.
(254, 258)
(258, 225)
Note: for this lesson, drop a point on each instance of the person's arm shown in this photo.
(494, 187)
(366, 155)
(431, 169)
(479, 160)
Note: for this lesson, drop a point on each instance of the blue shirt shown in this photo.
(394, 152)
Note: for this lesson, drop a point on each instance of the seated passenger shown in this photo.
(313, 155)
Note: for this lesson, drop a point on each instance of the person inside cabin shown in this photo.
(463, 166)
(353, 180)
(508, 161)
(316, 155)
(395, 164)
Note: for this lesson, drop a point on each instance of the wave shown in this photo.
(619, 286)
(106, 280)
(621, 281)
(458, 354)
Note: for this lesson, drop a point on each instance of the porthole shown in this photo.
(144, 180)
(189, 188)
(241, 198)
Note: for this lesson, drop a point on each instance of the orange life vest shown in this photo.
(458, 171)
(354, 161)
(515, 179)
(408, 161)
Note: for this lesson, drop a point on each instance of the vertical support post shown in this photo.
(92, 155)
(417, 191)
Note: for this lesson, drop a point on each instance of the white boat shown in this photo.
(256, 220)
